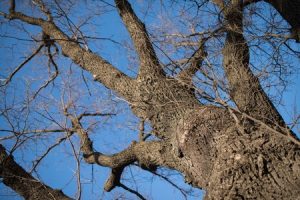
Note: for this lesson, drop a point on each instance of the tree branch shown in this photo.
(43, 8)
(15, 177)
(101, 69)
(244, 87)
(132, 191)
(135, 152)
(290, 11)
(149, 64)
(9, 78)
(87, 114)
(52, 77)
(114, 179)
(195, 61)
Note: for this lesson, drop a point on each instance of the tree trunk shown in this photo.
(229, 160)
(254, 164)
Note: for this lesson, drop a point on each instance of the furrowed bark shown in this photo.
(149, 64)
(15, 177)
(244, 87)
(101, 69)
(154, 99)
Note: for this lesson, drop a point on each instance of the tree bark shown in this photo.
(15, 177)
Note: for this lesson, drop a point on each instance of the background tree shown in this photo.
(201, 85)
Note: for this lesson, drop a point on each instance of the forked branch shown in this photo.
(244, 86)
(136, 152)
(101, 69)
(187, 74)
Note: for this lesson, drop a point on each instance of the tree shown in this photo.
(201, 90)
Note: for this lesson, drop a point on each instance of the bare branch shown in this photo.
(290, 11)
(12, 6)
(181, 190)
(114, 179)
(149, 64)
(37, 162)
(87, 114)
(43, 8)
(9, 78)
(195, 61)
(142, 130)
(102, 70)
(52, 77)
(76, 156)
(132, 191)
(22, 182)
(245, 88)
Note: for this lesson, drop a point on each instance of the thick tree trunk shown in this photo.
(230, 164)
(229, 161)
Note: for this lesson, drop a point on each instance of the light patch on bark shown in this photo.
(188, 126)
(183, 137)
(237, 156)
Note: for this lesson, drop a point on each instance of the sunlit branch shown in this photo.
(149, 64)
(101, 69)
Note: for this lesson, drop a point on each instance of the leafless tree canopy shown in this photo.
(200, 85)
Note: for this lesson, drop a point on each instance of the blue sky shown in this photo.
(111, 134)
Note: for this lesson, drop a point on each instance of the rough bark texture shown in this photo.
(22, 182)
(245, 154)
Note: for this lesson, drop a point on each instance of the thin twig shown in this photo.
(9, 78)
(76, 156)
(53, 76)
(37, 162)
(132, 191)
